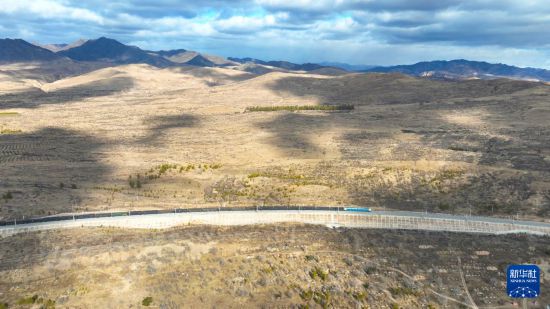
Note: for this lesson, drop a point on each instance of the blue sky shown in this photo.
(380, 32)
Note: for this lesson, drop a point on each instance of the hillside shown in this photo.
(189, 133)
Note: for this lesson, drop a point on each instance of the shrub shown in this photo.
(28, 300)
(7, 196)
(61, 185)
(369, 270)
(306, 295)
(254, 175)
(4, 305)
(318, 272)
(312, 258)
(322, 298)
(48, 304)
(147, 301)
(73, 186)
(360, 296)
(348, 261)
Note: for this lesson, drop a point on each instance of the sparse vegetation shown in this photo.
(9, 131)
(295, 108)
(5, 114)
(262, 261)
(402, 291)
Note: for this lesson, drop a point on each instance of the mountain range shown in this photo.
(111, 52)
(465, 69)
(281, 64)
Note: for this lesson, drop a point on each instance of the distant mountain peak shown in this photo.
(16, 50)
(110, 50)
(200, 61)
(62, 46)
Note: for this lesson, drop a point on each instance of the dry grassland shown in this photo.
(79, 143)
(286, 266)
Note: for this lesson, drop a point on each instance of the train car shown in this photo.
(357, 209)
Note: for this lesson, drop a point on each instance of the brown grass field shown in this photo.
(285, 266)
(79, 143)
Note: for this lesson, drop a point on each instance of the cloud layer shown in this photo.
(355, 31)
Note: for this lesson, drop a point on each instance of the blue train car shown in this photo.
(357, 209)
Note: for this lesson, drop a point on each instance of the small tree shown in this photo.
(138, 182)
(147, 301)
(131, 182)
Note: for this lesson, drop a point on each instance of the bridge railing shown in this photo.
(160, 211)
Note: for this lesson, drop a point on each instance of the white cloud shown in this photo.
(245, 24)
(305, 5)
(171, 27)
(49, 9)
(358, 31)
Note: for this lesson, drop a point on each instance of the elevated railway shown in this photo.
(330, 216)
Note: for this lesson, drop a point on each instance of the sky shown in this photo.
(376, 32)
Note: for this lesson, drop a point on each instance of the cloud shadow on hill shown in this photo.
(48, 171)
(431, 138)
(159, 126)
(213, 77)
(292, 133)
(36, 97)
(376, 88)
